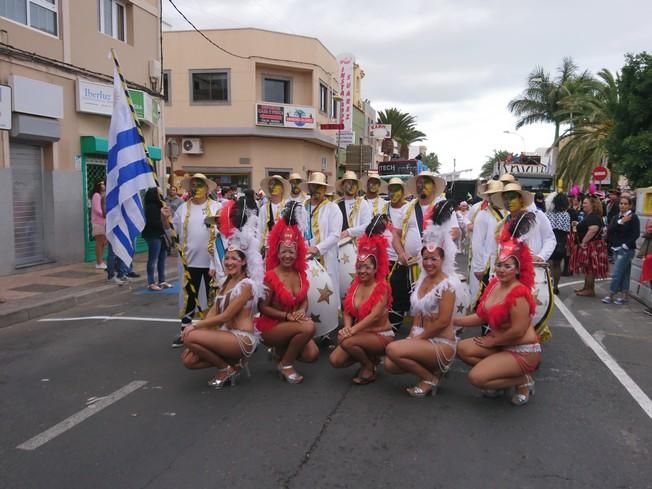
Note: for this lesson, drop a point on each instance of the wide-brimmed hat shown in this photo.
(295, 176)
(185, 183)
(480, 189)
(440, 183)
(264, 184)
(508, 178)
(348, 175)
(492, 187)
(408, 187)
(373, 176)
(497, 198)
(316, 178)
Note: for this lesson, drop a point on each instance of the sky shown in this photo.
(454, 64)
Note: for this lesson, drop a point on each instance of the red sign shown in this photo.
(331, 126)
(600, 173)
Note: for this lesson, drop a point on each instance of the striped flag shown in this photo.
(127, 173)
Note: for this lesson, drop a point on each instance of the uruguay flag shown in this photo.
(127, 173)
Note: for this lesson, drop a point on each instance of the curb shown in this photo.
(37, 308)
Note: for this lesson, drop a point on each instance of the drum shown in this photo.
(542, 292)
(348, 253)
(323, 306)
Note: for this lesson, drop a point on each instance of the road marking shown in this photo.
(634, 390)
(75, 419)
(110, 318)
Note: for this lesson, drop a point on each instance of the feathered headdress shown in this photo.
(238, 223)
(373, 243)
(436, 235)
(287, 231)
(511, 245)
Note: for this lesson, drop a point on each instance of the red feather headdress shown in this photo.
(286, 231)
(511, 246)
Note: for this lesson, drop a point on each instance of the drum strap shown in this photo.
(313, 222)
(419, 213)
(271, 220)
(345, 219)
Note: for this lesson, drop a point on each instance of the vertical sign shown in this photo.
(345, 65)
(5, 107)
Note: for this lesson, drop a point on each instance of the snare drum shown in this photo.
(348, 253)
(542, 292)
(323, 306)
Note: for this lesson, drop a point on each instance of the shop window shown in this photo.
(112, 18)
(323, 98)
(39, 14)
(277, 90)
(209, 86)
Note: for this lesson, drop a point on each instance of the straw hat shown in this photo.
(185, 183)
(440, 183)
(348, 175)
(508, 178)
(492, 187)
(295, 176)
(373, 176)
(264, 185)
(316, 178)
(408, 187)
(497, 198)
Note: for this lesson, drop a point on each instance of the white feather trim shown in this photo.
(428, 305)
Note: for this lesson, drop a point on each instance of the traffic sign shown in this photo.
(600, 173)
(332, 126)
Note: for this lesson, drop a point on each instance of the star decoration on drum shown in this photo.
(345, 259)
(325, 294)
(315, 318)
(460, 308)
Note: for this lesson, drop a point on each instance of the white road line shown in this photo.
(110, 318)
(75, 419)
(634, 390)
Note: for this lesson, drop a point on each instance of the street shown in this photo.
(162, 427)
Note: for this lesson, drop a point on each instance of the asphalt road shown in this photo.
(583, 428)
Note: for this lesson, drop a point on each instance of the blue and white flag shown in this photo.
(127, 173)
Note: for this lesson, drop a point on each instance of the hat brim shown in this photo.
(185, 183)
(304, 186)
(264, 185)
(440, 183)
(364, 180)
(497, 198)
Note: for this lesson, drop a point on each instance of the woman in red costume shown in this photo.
(508, 355)
(283, 323)
(367, 330)
(429, 350)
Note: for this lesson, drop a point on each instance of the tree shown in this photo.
(404, 130)
(487, 170)
(630, 141)
(583, 146)
(431, 160)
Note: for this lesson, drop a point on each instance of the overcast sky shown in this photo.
(455, 64)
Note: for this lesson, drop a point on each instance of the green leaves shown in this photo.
(404, 130)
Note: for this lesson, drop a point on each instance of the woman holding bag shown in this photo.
(156, 220)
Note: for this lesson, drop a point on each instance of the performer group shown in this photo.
(373, 279)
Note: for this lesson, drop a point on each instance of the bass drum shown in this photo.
(348, 253)
(542, 293)
(323, 306)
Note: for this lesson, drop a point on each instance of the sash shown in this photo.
(345, 218)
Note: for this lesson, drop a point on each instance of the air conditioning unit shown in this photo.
(192, 146)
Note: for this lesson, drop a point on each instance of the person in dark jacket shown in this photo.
(560, 220)
(156, 218)
(622, 232)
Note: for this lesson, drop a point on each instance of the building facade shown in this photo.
(251, 110)
(55, 107)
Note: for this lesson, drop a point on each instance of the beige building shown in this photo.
(258, 111)
(55, 107)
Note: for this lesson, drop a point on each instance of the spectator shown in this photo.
(156, 219)
(98, 223)
(560, 220)
(173, 200)
(590, 256)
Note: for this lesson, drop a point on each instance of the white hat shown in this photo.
(185, 183)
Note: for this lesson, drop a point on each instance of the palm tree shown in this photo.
(404, 130)
(583, 144)
(488, 168)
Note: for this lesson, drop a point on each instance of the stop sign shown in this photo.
(600, 173)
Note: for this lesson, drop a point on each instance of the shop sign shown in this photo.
(5, 107)
(270, 115)
(380, 131)
(97, 98)
(292, 116)
(344, 138)
(345, 64)
(397, 167)
(522, 169)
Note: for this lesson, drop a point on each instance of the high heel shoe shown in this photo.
(518, 399)
(420, 392)
(231, 378)
(290, 378)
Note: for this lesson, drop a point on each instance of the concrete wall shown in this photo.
(6, 222)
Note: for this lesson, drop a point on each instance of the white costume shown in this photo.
(377, 205)
(325, 221)
(263, 218)
(541, 239)
(483, 245)
(412, 244)
(299, 198)
(359, 215)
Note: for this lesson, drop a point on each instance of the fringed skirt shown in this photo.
(592, 259)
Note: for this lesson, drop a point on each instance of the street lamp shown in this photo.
(517, 134)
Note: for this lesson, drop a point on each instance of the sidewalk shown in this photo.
(37, 291)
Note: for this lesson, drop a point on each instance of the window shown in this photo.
(276, 90)
(210, 86)
(112, 19)
(323, 98)
(39, 14)
(166, 87)
(334, 106)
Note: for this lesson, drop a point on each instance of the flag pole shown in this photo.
(175, 236)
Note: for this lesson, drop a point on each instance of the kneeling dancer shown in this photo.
(283, 322)
(366, 330)
(510, 352)
(226, 337)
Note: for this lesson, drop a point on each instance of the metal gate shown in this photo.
(95, 171)
(27, 183)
